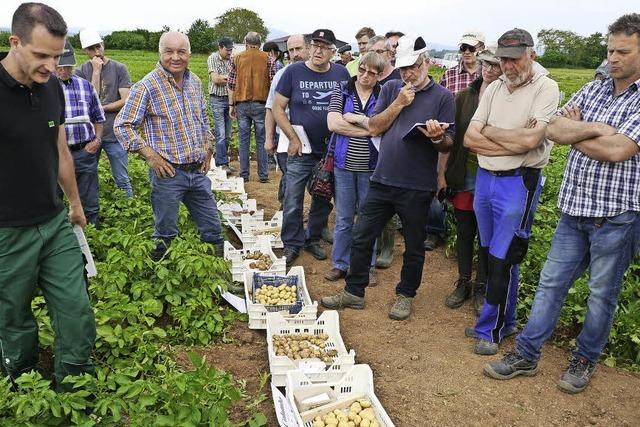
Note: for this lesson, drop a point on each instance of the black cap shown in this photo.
(68, 59)
(225, 42)
(345, 48)
(324, 35)
(514, 43)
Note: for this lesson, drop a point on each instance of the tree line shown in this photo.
(566, 49)
(234, 23)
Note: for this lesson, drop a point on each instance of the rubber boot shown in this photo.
(386, 241)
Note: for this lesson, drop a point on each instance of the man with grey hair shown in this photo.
(248, 86)
(170, 106)
(507, 132)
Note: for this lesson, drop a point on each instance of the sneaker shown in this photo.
(431, 242)
(315, 249)
(342, 300)
(486, 348)
(290, 255)
(576, 378)
(460, 294)
(401, 309)
(511, 365)
(335, 274)
(373, 277)
(327, 236)
(479, 293)
(470, 332)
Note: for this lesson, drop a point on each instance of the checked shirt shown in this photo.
(457, 78)
(220, 66)
(173, 120)
(80, 99)
(591, 188)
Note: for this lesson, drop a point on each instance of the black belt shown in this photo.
(79, 146)
(188, 167)
(515, 172)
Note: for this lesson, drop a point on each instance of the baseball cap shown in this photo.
(345, 48)
(68, 59)
(513, 43)
(225, 42)
(89, 38)
(324, 35)
(408, 50)
(472, 38)
(489, 54)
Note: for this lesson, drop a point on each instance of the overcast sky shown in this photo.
(437, 21)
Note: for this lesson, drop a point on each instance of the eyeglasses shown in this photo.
(380, 51)
(413, 67)
(321, 47)
(490, 65)
(470, 48)
(362, 70)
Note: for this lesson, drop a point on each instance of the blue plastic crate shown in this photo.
(260, 280)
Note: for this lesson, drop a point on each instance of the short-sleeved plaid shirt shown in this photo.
(81, 100)
(592, 188)
(173, 120)
(219, 66)
(457, 78)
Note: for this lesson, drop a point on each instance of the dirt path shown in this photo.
(424, 369)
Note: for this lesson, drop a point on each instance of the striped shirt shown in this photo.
(220, 66)
(592, 188)
(357, 159)
(81, 101)
(173, 120)
(458, 78)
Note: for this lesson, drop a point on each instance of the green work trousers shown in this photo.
(46, 256)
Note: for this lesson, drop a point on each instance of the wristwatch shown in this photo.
(437, 141)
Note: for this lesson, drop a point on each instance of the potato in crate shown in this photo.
(315, 348)
(233, 211)
(270, 299)
(259, 259)
(351, 398)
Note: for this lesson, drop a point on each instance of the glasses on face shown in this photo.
(362, 70)
(464, 47)
(413, 67)
(380, 51)
(322, 47)
(490, 65)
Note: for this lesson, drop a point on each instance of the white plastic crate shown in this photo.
(315, 369)
(233, 186)
(353, 381)
(233, 211)
(258, 312)
(239, 265)
(217, 174)
(250, 229)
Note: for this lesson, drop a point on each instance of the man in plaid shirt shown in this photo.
(599, 228)
(83, 127)
(170, 106)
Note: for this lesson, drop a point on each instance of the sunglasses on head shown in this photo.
(468, 47)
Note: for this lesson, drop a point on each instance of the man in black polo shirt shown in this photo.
(37, 243)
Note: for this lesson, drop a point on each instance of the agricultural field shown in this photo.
(171, 352)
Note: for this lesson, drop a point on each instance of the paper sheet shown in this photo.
(284, 412)
(283, 141)
(84, 247)
(238, 303)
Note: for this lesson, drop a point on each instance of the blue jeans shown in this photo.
(119, 161)
(194, 190)
(299, 170)
(86, 167)
(504, 207)
(282, 164)
(606, 248)
(350, 192)
(436, 218)
(248, 112)
(221, 127)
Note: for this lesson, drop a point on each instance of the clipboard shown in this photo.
(283, 141)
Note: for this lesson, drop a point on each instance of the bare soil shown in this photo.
(425, 371)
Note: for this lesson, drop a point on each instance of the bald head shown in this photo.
(298, 48)
(174, 39)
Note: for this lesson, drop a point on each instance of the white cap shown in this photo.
(408, 50)
(472, 38)
(89, 38)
